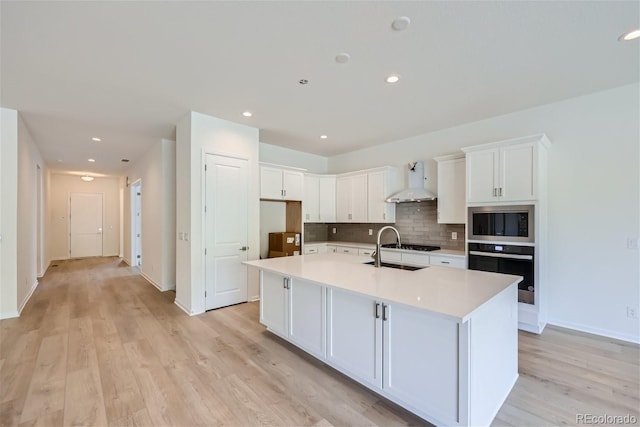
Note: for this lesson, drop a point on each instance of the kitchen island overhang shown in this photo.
(440, 342)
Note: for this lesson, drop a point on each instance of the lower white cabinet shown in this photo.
(294, 309)
(448, 261)
(379, 343)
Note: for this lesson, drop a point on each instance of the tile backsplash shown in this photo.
(417, 223)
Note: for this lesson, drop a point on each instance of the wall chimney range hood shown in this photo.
(415, 191)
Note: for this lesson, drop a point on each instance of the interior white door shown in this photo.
(226, 228)
(85, 225)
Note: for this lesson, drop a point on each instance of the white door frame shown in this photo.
(136, 223)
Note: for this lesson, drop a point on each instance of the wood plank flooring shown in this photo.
(98, 345)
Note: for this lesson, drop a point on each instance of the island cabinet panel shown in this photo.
(295, 310)
(273, 302)
(354, 336)
(307, 316)
(421, 360)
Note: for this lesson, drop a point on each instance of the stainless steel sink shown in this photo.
(398, 266)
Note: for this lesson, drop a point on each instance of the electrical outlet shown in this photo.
(632, 243)
(632, 312)
(334, 230)
(454, 235)
(371, 232)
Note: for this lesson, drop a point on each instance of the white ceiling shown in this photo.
(128, 71)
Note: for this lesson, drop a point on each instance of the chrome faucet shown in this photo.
(376, 254)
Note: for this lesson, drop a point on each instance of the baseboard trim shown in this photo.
(10, 315)
(183, 308)
(254, 298)
(28, 297)
(596, 331)
(150, 280)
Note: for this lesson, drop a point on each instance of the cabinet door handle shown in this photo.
(384, 312)
(445, 262)
(495, 192)
(285, 193)
(500, 192)
(286, 282)
(376, 309)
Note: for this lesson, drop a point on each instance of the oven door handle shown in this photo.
(499, 255)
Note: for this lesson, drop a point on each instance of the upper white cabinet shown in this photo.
(281, 184)
(319, 202)
(351, 198)
(451, 189)
(381, 183)
(361, 195)
(506, 171)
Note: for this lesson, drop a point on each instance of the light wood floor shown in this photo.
(98, 345)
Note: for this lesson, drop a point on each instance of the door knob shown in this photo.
(244, 248)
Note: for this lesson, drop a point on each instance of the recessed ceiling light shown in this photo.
(125, 160)
(401, 23)
(343, 57)
(92, 160)
(86, 178)
(96, 139)
(323, 136)
(59, 160)
(247, 114)
(631, 35)
(303, 81)
(393, 78)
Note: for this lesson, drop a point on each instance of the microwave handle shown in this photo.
(499, 255)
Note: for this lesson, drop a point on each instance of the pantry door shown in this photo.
(85, 225)
(226, 228)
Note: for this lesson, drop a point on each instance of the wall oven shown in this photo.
(506, 259)
(502, 223)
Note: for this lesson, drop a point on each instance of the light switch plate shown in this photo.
(454, 235)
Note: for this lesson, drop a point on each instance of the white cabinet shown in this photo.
(451, 189)
(281, 184)
(294, 309)
(381, 184)
(273, 302)
(311, 200)
(365, 252)
(504, 171)
(448, 261)
(405, 258)
(332, 249)
(351, 198)
(431, 386)
(319, 202)
(351, 250)
(354, 335)
(378, 343)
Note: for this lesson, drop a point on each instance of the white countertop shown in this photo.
(449, 291)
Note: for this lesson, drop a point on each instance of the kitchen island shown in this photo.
(440, 342)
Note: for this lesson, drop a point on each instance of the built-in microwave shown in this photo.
(502, 223)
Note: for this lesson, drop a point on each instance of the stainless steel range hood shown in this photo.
(415, 191)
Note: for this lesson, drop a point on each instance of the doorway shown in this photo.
(226, 230)
(136, 224)
(85, 225)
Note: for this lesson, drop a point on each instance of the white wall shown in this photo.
(61, 186)
(197, 134)
(156, 170)
(9, 213)
(19, 218)
(594, 201)
(287, 157)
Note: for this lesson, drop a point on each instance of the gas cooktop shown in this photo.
(411, 247)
